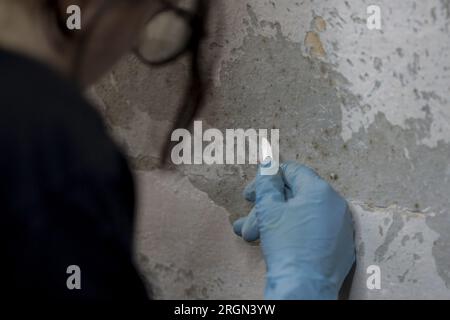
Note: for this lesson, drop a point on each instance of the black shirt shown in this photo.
(66, 193)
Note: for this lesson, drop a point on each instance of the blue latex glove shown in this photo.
(306, 232)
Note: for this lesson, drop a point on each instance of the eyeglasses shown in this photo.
(168, 35)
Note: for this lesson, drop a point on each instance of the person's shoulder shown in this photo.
(35, 94)
(41, 110)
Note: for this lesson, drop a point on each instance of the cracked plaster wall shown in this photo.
(369, 110)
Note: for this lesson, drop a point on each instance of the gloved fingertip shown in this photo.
(250, 237)
(250, 234)
(237, 226)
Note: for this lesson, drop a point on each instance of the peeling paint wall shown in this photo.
(368, 109)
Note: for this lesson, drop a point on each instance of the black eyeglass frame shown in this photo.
(194, 20)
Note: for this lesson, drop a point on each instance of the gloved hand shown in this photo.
(306, 232)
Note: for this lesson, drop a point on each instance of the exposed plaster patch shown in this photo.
(319, 24)
(314, 45)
